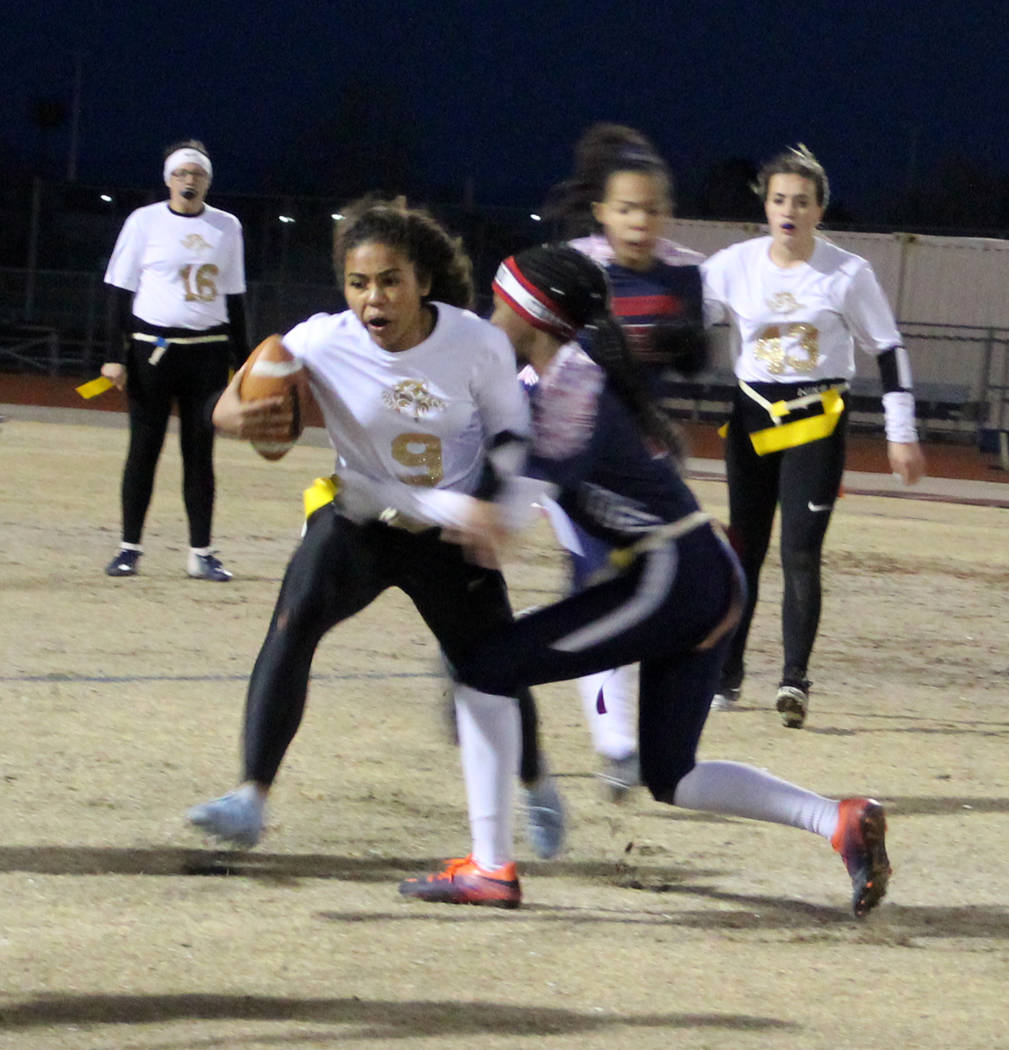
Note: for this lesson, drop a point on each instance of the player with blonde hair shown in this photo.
(797, 306)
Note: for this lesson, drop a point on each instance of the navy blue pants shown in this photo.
(654, 613)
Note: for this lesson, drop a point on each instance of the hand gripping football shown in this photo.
(273, 371)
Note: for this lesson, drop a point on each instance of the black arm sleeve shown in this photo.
(894, 369)
(118, 322)
(239, 334)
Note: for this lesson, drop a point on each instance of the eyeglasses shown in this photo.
(198, 175)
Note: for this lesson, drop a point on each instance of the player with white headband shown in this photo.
(176, 327)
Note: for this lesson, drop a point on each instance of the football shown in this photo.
(273, 371)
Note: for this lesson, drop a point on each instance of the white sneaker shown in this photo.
(235, 817)
(545, 820)
(792, 703)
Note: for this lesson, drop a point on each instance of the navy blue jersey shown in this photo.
(586, 442)
(662, 314)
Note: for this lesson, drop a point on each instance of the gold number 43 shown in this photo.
(771, 347)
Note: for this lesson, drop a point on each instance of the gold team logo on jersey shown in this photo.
(783, 303)
(412, 398)
(193, 242)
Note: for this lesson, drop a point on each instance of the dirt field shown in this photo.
(121, 928)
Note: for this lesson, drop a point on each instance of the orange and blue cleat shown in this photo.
(464, 882)
(860, 838)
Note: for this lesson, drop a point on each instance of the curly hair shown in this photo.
(437, 256)
(580, 287)
(601, 152)
(796, 160)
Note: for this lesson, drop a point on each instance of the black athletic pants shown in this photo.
(338, 569)
(188, 376)
(805, 480)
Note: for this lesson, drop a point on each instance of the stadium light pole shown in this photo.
(75, 117)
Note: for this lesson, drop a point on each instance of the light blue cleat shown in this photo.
(236, 817)
(545, 819)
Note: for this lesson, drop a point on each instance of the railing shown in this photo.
(961, 372)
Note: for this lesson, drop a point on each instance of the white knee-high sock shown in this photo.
(738, 790)
(489, 745)
(614, 732)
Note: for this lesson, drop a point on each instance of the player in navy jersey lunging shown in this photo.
(675, 589)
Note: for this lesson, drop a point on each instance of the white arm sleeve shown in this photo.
(898, 412)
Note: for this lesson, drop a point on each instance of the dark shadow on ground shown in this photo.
(372, 1019)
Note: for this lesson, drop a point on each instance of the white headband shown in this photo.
(187, 155)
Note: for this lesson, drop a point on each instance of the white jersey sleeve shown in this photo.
(714, 278)
(125, 263)
(868, 313)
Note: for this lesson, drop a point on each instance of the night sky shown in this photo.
(291, 96)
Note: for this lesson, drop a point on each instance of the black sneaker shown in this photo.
(726, 698)
(123, 564)
(206, 567)
(730, 689)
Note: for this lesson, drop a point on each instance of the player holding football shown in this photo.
(420, 401)
(674, 590)
(176, 326)
(797, 305)
(618, 198)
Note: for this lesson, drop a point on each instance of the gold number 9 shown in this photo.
(419, 450)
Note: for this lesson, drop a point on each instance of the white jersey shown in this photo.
(799, 323)
(422, 416)
(181, 267)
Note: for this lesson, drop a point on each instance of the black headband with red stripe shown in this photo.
(532, 303)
